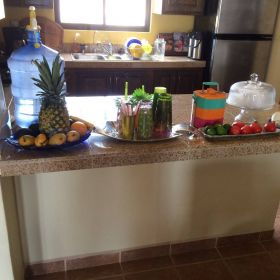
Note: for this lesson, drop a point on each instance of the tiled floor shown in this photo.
(258, 260)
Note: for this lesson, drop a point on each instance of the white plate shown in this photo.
(239, 136)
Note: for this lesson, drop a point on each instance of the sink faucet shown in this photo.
(83, 48)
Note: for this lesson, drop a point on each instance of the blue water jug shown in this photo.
(27, 103)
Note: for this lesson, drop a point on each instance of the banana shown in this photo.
(89, 125)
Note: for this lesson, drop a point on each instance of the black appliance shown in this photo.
(237, 38)
(14, 39)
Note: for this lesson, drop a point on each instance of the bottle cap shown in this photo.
(32, 19)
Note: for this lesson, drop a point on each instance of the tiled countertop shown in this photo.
(168, 62)
(100, 151)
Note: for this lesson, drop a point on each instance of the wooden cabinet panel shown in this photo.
(135, 79)
(183, 7)
(89, 82)
(165, 78)
(111, 82)
(179, 81)
(188, 81)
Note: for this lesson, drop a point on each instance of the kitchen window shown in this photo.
(115, 15)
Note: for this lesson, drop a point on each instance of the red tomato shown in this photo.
(234, 130)
(270, 126)
(246, 129)
(238, 123)
(256, 128)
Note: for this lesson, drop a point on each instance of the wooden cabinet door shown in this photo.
(165, 78)
(188, 80)
(135, 79)
(183, 7)
(85, 82)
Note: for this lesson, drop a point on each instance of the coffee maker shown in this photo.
(194, 43)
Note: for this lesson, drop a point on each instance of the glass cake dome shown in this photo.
(251, 95)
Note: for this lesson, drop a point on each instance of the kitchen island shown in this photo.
(105, 195)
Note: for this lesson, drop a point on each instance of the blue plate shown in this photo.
(14, 142)
(131, 41)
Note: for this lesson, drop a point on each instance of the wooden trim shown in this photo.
(170, 7)
(104, 27)
(39, 3)
(25, 3)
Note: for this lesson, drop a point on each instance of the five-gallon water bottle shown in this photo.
(27, 103)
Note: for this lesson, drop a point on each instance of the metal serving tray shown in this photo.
(110, 131)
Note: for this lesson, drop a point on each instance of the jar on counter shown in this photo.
(145, 121)
(159, 49)
(163, 115)
(157, 92)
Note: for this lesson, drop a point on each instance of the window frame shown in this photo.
(104, 27)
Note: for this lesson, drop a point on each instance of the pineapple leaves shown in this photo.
(50, 80)
(56, 71)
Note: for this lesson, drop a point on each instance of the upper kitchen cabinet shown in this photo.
(178, 7)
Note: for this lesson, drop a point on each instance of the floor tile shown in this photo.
(266, 235)
(51, 276)
(196, 256)
(95, 272)
(255, 267)
(271, 245)
(46, 268)
(163, 274)
(237, 239)
(145, 253)
(275, 256)
(90, 261)
(240, 250)
(205, 271)
(147, 264)
(198, 245)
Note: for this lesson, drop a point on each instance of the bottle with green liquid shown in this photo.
(163, 115)
(157, 92)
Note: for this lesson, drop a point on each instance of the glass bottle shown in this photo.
(157, 92)
(26, 100)
(163, 115)
(145, 120)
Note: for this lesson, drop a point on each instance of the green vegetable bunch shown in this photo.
(139, 94)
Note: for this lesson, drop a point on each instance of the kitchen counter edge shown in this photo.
(101, 151)
(168, 62)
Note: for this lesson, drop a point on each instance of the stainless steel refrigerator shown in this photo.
(237, 38)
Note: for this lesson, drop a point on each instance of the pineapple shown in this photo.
(53, 116)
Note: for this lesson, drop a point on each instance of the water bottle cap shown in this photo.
(32, 19)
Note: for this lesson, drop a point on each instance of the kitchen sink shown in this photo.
(98, 56)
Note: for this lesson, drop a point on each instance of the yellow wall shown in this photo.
(159, 23)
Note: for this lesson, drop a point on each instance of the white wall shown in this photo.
(273, 69)
(6, 270)
(81, 212)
